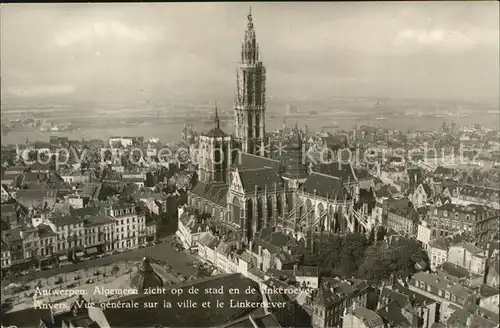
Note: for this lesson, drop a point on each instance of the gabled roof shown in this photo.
(335, 290)
(45, 231)
(213, 192)
(326, 186)
(439, 243)
(209, 240)
(259, 179)
(215, 133)
(370, 318)
(461, 317)
(391, 314)
(251, 161)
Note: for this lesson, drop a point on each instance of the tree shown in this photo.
(399, 259)
(114, 270)
(335, 255)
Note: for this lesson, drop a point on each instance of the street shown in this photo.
(181, 262)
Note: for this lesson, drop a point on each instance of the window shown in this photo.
(445, 214)
(440, 293)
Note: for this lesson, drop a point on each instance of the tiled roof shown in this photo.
(469, 248)
(193, 223)
(213, 192)
(439, 243)
(370, 318)
(480, 192)
(340, 170)
(326, 186)
(209, 240)
(215, 133)
(488, 291)
(96, 220)
(65, 220)
(334, 290)
(391, 314)
(443, 284)
(470, 318)
(91, 189)
(45, 231)
(405, 296)
(259, 179)
(450, 207)
(224, 248)
(257, 162)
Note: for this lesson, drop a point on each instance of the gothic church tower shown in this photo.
(250, 102)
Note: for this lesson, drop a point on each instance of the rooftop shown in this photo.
(186, 317)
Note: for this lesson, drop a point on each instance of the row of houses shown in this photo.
(46, 238)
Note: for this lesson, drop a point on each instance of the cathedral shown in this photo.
(248, 182)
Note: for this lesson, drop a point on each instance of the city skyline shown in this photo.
(443, 50)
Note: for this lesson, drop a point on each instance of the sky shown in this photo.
(430, 50)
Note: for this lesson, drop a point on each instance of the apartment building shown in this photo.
(328, 304)
(130, 226)
(449, 218)
(190, 227)
(451, 295)
(438, 253)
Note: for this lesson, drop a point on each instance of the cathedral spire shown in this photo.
(217, 121)
(250, 19)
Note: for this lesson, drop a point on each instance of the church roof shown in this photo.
(259, 179)
(146, 277)
(215, 133)
(326, 186)
(216, 193)
(343, 171)
(250, 161)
